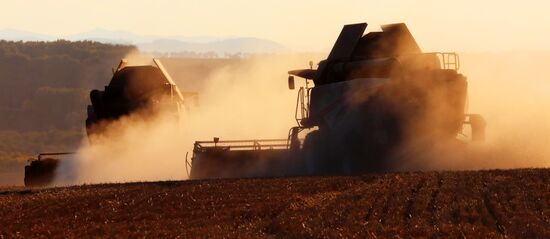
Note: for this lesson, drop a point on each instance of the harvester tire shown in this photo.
(314, 160)
(40, 173)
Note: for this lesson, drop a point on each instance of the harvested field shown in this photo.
(499, 203)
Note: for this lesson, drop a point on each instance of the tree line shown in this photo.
(44, 90)
(45, 85)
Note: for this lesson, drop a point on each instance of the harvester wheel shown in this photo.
(40, 172)
(314, 159)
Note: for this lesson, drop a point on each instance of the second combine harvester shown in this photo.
(373, 97)
(134, 91)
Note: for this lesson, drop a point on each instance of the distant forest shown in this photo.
(42, 84)
(44, 90)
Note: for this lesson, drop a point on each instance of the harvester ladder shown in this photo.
(302, 105)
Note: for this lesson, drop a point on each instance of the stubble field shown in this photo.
(466, 204)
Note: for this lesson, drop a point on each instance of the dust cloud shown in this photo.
(248, 100)
(512, 92)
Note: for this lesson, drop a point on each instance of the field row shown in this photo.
(512, 203)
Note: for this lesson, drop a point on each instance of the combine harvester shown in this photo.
(140, 91)
(373, 96)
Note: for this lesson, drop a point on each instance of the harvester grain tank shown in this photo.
(373, 96)
(133, 90)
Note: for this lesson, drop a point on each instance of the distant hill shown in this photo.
(17, 35)
(162, 44)
(236, 45)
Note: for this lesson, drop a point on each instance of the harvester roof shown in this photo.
(394, 40)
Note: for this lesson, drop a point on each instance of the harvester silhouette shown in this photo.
(140, 91)
(373, 95)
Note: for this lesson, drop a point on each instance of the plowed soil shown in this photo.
(480, 204)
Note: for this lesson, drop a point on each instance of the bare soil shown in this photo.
(472, 204)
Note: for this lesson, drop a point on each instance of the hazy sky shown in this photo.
(302, 25)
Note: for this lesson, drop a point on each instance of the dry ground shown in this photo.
(509, 203)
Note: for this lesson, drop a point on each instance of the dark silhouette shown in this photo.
(375, 95)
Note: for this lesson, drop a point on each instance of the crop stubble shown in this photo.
(497, 203)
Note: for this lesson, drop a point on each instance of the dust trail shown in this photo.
(512, 91)
(249, 100)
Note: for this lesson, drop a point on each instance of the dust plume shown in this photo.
(511, 91)
(247, 100)
(250, 100)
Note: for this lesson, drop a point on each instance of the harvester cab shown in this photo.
(373, 95)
